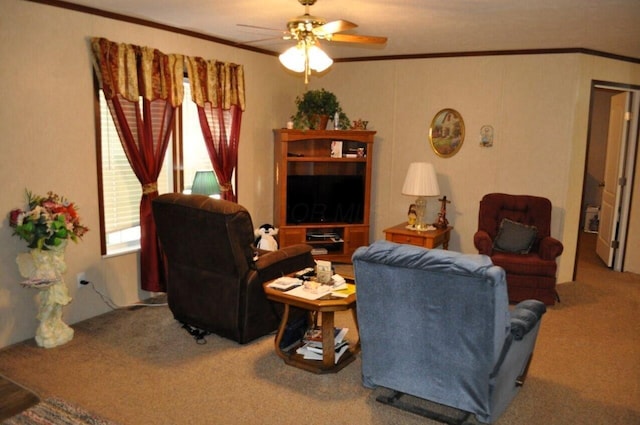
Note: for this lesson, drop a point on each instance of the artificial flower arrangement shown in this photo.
(48, 222)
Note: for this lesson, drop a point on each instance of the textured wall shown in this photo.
(538, 106)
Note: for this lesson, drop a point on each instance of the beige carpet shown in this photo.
(140, 367)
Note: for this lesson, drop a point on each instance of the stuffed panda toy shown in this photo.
(265, 237)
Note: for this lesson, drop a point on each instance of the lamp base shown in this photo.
(421, 207)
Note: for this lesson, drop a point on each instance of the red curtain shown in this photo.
(143, 88)
(218, 90)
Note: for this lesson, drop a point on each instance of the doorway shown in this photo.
(616, 231)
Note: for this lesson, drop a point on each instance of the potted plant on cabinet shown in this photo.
(315, 108)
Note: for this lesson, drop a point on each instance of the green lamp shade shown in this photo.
(205, 183)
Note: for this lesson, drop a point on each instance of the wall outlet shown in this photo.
(81, 280)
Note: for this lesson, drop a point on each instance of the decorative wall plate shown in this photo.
(486, 136)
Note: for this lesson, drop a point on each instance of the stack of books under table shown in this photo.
(312, 347)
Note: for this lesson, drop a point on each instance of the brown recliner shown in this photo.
(530, 274)
(213, 282)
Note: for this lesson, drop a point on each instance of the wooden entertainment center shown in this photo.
(322, 190)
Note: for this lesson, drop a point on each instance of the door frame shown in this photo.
(629, 159)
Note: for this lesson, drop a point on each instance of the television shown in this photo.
(325, 199)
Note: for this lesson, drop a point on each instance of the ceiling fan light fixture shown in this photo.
(318, 59)
(307, 30)
(293, 58)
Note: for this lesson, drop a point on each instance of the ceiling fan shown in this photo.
(307, 30)
(312, 27)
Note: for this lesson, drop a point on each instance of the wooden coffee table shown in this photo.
(325, 308)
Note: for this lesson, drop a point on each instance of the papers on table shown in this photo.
(307, 294)
(312, 290)
(285, 283)
(344, 291)
(338, 282)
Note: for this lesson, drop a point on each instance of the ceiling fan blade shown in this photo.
(354, 38)
(260, 40)
(260, 28)
(333, 27)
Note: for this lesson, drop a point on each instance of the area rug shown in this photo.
(53, 411)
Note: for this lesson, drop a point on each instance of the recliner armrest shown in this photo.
(550, 248)
(483, 242)
(525, 316)
(273, 264)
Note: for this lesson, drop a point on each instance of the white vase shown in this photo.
(44, 269)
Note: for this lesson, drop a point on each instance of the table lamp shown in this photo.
(205, 183)
(421, 182)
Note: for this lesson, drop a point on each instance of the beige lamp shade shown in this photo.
(421, 180)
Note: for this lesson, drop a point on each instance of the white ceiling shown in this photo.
(413, 27)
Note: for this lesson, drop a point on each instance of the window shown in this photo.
(194, 151)
(120, 189)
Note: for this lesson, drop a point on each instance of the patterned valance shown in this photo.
(134, 71)
(218, 83)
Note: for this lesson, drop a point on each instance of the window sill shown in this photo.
(116, 252)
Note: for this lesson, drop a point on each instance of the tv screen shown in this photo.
(325, 199)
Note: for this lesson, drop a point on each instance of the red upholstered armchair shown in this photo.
(514, 230)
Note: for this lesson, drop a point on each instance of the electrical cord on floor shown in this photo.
(109, 302)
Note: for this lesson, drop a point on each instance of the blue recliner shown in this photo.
(437, 325)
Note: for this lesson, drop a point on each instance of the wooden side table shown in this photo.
(326, 308)
(423, 238)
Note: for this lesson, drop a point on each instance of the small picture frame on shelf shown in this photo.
(336, 149)
(323, 271)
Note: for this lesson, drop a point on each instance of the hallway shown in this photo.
(587, 256)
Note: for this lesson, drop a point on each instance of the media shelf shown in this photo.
(322, 190)
(325, 241)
